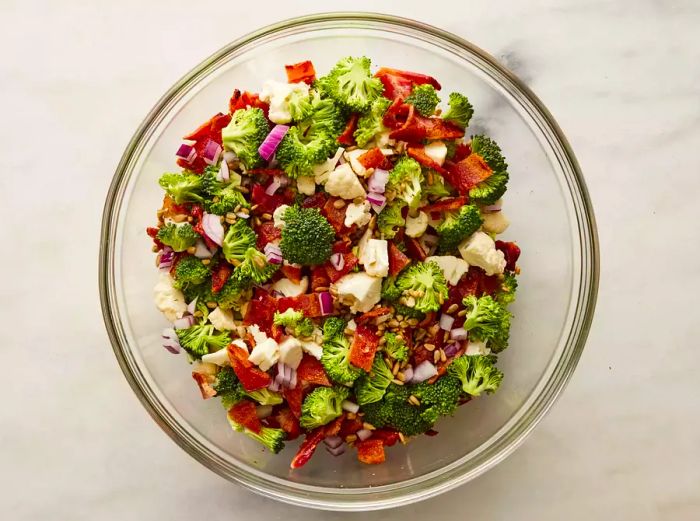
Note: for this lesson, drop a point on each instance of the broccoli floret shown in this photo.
(231, 391)
(190, 271)
(200, 339)
(396, 347)
(437, 186)
(424, 98)
(245, 133)
(322, 405)
(336, 353)
(451, 148)
(270, 438)
(390, 219)
(392, 293)
(238, 239)
(265, 397)
(492, 188)
(307, 237)
(371, 123)
(509, 286)
(351, 84)
(370, 387)
(256, 267)
(460, 111)
(226, 381)
(178, 236)
(405, 181)
(295, 322)
(487, 320)
(235, 292)
(457, 226)
(223, 197)
(183, 187)
(423, 287)
(477, 374)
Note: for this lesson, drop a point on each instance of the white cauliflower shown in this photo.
(359, 290)
(169, 300)
(416, 226)
(279, 95)
(480, 250)
(358, 214)
(342, 182)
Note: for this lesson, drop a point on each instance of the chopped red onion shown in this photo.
(338, 261)
(333, 441)
(211, 152)
(224, 173)
(458, 334)
(326, 301)
(263, 411)
(272, 247)
(408, 374)
(268, 147)
(377, 181)
(273, 253)
(293, 379)
(274, 185)
(363, 434)
(378, 201)
(492, 207)
(213, 228)
(186, 152)
(170, 340)
(184, 322)
(167, 256)
(337, 451)
(423, 371)
(350, 406)
(451, 349)
(192, 306)
(446, 322)
(201, 251)
(274, 386)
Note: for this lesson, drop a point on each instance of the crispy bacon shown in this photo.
(374, 158)
(204, 382)
(244, 413)
(418, 153)
(397, 260)
(301, 72)
(310, 371)
(242, 100)
(371, 451)
(347, 137)
(468, 173)
(370, 315)
(208, 131)
(220, 275)
(399, 84)
(250, 376)
(365, 343)
(334, 275)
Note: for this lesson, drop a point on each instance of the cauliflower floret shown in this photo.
(169, 300)
(416, 226)
(306, 185)
(291, 352)
(359, 290)
(265, 354)
(437, 151)
(375, 258)
(278, 216)
(452, 267)
(352, 156)
(480, 250)
(290, 289)
(495, 222)
(312, 348)
(342, 182)
(222, 320)
(477, 348)
(321, 171)
(278, 95)
(358, 214)
(382, 140)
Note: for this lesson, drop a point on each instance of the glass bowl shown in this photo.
(547, 203)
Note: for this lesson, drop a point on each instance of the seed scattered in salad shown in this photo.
(329, 262)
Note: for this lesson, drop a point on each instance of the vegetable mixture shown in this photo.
(328, 259)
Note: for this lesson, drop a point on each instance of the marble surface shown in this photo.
(621, 77)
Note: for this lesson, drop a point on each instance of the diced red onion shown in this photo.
(378, 201)
(377, 181)
(224, 173)
(201, 251)
(423, 371)
(192, 306)
(211, 152)
(446, 322)
(338, 261)
(451, 349)
(350, 406)
(186, 152)
(274, 386)
(363, 434)
(213, 228)
(337, 451)
(326, 301)
(333, 441)
(458, 334)
(273, 253)
(272, 247)
(492, 207)
(293, 379)
(274, 185)
(408, 373)
(184, 322)
(263, 411)
(170, 340)
(269, 145)
(167, 256)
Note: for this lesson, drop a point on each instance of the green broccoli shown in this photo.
(200, 339)
(178, 236)
(351, 84)
(423, 287)
(235, 293)
(487, 320)
(307, 237)
(231, 391)
(295, 322)
(226, 381)
(190, 271)
(405, 181)
(456, 227)
(245, 133)
(509, 286)
(183, 187)
(396, 347)
(270, 438)
(460, 111)
(265, 397)
(391, 219)
(476, 373)
(424, 98)
(370, 387)
(322, 405)
(223, 197)
(436, 187)
(239, 237)
(336, 353)
(371, 124)
(491, 189)
(256, 267)
(392, 293)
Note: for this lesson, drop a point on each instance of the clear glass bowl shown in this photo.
(547, 203)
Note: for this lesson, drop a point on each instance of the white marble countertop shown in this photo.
(622, 79)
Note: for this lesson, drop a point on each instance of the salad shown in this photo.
(328, 259)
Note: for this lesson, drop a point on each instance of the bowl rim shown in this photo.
(368, 498)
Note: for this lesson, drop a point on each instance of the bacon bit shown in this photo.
(260, 312)
(308, 447)
(319, 278)
(418, 153)
(256, 172)
(335, 216)
(220, 275)
(398, 114)
(204, 382)
(333, 428)
(243, 413)
(389, 437)
(431, 432)
(277, 333)
(344, 245)
(468, 173)
(267, 233)
(399, 84)
(397, 260)
(414, 249)
(171, 209)
(511, 251)
(374, 158)
(418, 128)
(288, 422)
(310, 371)
(446, 205)
(347, 138)
(294, 398)
(350, 426)
(376, 312)
(315, 201)
(301, 72)
(152, 233)
(474, 282)
(334, 275)
(308, 304)
(371, 451)
(364, 346)
(461, 152)
(210, 130)
(244, 100)
(250, 376)
(293, 273)
(266, 203)
(428, 320)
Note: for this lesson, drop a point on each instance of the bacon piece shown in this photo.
(204, 382)
(364, 345)
(301, 72)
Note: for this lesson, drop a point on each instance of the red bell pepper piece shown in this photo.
(293, 273)
(267, 233)
(398, 83)
(220, 275)
(244, 413)
(511, 251)
(308, 447)
(371, 451)
(310, 371)
(374, 158)
(250, 376)
(414, 249)
(308, 304)
(468, 173)
(350, 262)
(397, 260)
(364, 345)
(347, 137)
(301, 72)
(418, 153)
(204, 382)
(288, 422)
(242, 100)
(294, 398)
